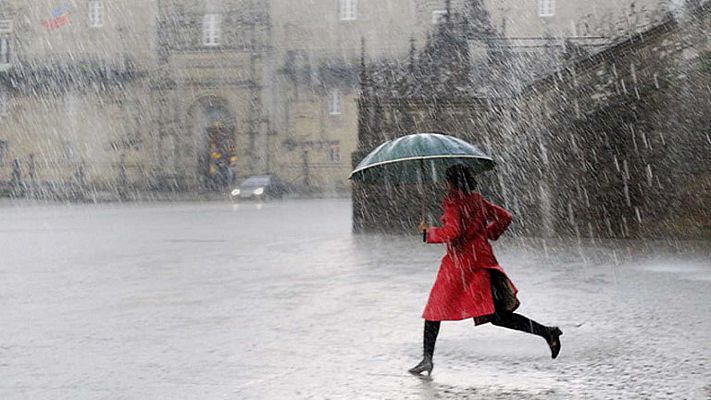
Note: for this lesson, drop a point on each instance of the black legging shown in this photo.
(500, 318)
(430, 337)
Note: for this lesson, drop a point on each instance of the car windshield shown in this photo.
(256, 181)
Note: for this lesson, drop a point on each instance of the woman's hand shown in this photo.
(424, 226)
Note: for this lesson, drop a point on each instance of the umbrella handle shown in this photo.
(424, 233)
(422, 197)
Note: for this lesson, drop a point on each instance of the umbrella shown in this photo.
(419, 158)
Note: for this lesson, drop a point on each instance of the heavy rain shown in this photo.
(229, 199)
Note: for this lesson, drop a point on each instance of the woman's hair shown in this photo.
(461, 177)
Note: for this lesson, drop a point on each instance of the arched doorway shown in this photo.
(213, 126)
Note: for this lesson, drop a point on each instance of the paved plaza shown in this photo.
(281, 301)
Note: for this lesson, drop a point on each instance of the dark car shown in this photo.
(260, 187)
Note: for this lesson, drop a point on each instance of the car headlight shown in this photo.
(259, 191)
(235, 192)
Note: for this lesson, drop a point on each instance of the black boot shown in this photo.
(429, 340)
(424, 365)
(523, 324)
(553, 340)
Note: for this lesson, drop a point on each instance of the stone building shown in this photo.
(183, 94)
(612, 143)
(317, 48)
(210, 91)
(188, 95)
(621, 137)
(74, 92)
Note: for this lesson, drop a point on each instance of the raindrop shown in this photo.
(576, 105)
(608, 224)
(544, 153)
(573, 143)
(590, 231)
(545, 248)
(626, 189)
(650, 176)
(647, 144)
(433, 169)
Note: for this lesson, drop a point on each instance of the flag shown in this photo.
(60, 17)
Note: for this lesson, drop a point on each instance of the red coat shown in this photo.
(463, 286)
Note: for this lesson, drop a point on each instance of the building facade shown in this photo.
(186, 95)
(212, 122)
(74, 94)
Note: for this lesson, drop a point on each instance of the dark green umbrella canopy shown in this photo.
(421, 157)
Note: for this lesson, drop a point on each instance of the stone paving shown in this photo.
(281, 301)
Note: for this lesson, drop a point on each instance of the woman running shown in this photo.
(470, 282)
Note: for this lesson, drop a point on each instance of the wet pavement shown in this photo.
(281, 301)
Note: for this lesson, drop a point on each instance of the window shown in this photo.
(4, 49)
(348, 10)
(3, 102)
(211, 29)
(5, 25)
(96, 13)
(334, 153)
(438, 16)
(5, 40)
(4, 150)
(334, 104)
(546, 8)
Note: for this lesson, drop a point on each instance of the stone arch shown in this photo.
(212, 124)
